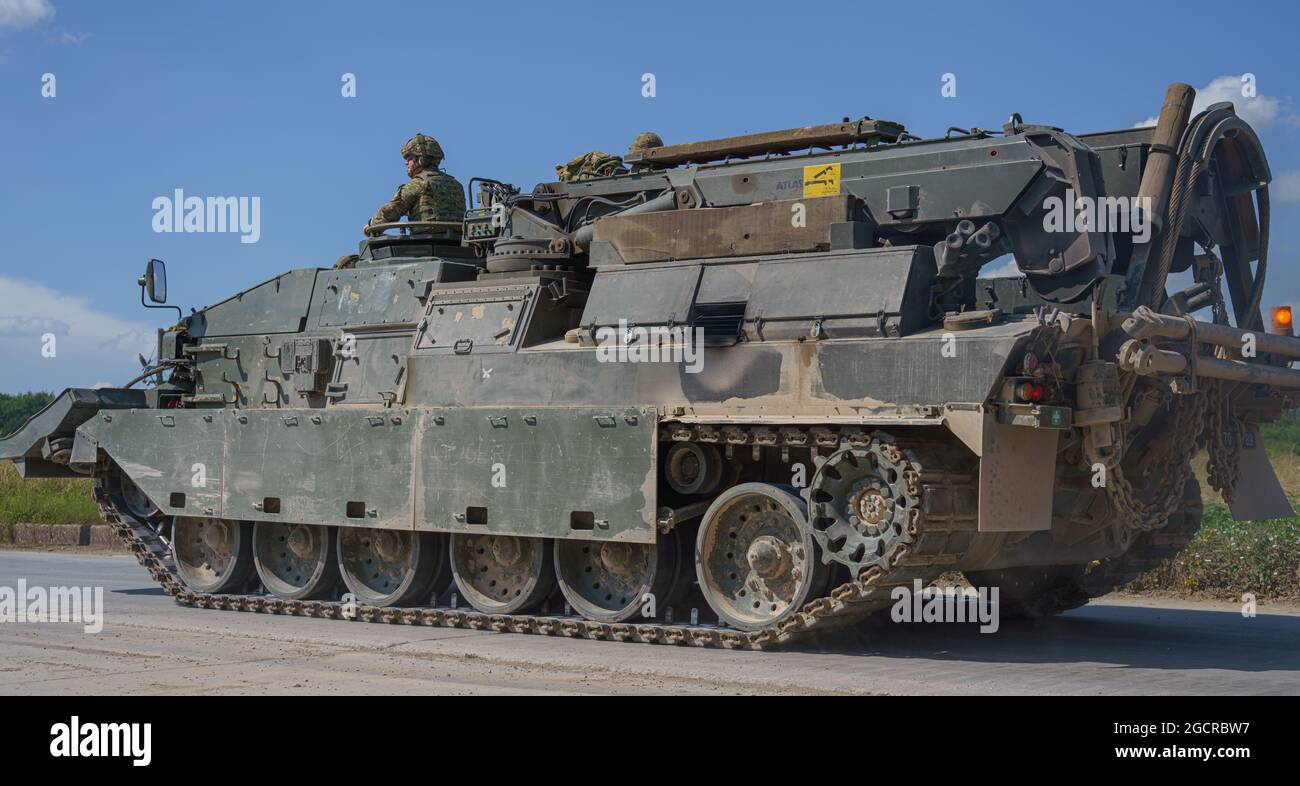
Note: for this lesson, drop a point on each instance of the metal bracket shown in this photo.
(279, 388)
(225, 377)
(200, 349)
(336, 390)
(671, 517)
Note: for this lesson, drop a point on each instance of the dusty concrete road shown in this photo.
(150, 645)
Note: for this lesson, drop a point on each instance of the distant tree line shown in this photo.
(16, 409)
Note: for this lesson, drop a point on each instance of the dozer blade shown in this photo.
(42, 447)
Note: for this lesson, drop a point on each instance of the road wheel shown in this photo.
(213, 555)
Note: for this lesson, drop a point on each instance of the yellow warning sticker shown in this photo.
(821, 180)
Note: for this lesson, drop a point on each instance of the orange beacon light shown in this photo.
(1281, 322)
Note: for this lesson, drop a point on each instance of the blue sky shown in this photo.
(243, 99)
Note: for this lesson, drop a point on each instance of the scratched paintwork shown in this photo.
(398, 468)
(530, 469)
(168, 453)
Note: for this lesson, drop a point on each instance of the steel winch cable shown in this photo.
(1204, 136)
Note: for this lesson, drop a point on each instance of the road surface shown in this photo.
(149, 645)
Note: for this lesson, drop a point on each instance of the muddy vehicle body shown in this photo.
(733, 395)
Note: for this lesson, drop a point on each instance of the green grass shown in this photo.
(1229, 558)
(1283, 437)
(44, 500)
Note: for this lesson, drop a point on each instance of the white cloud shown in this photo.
(88, 344)
(32, 310)
(1260, 111)
(32, 326)
(1285, 186)
(25, 13)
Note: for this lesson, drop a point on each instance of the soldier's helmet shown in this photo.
(643, 142)
(421, 145)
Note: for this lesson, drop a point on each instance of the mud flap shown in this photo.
(1017, 470)
(1259, 494)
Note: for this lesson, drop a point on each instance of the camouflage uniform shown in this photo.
(588, 166)
(598, 164)
(432, 195)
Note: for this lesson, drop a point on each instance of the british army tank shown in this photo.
(732, 393)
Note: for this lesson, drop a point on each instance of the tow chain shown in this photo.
(1168, 470)
(1224, 468)
(938, 538)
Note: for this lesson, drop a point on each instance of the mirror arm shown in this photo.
(179, 314)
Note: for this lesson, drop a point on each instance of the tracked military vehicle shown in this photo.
(732, 395)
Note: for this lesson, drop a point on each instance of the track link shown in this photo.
(937, 540)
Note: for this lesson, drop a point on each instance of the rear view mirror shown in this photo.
(155, 281)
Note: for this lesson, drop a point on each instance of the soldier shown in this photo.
(599, 164)
(588, 166)
(430, 195)
(644, 141)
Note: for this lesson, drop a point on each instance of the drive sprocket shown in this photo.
(863, 503)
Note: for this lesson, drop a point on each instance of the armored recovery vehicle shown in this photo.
(732, 395)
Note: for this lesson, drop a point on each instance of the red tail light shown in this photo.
(1030, 392)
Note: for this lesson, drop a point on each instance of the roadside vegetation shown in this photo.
(44, 501)
(16, 409)
(1230, 558)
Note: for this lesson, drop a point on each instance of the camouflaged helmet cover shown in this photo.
(644, 141)
(421, 145)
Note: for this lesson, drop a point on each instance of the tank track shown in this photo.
(940, 537)
(1033, 593)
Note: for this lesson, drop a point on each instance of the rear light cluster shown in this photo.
(1031, 392)
(1030, 385)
